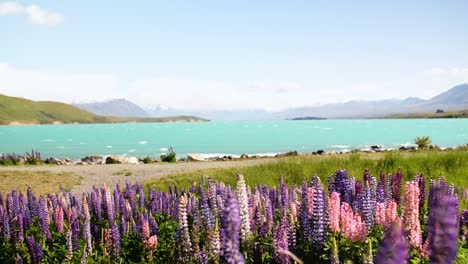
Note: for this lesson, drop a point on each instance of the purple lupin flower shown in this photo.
(358, 197)
(19, 222)
(380, 192)
(231, 226)
(319, 218)
(96, 204)
(443, 227)
(116, 242)
(205, 209)
(397, 182)
(6, 226)
(422, 192)
(280, 242)
(43, 214)
(388, 188)
(342, 186)
(109, 205)
(35, 249)
(31, 202)
(304, 217)
(393, 248)
(367, 207)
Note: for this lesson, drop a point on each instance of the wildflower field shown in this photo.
(369, 220)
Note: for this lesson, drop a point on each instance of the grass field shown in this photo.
(43, 182)
(452, 164)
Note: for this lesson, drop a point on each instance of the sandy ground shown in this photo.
(99, 174)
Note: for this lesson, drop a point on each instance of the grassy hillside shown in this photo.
(14, 110)
(451, 114)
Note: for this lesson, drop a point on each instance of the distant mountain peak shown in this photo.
(119, 107)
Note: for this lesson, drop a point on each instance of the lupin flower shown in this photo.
(241, 191)
(411, 223)
(231, 226)
(58, 218)
(145, 229)
(36, 250)
(334, 212)
(367, 207)
(87, 227)
(393, 249)
(280, 242)
(342, 187)
(396, 186)
(152, 243)
(392, 214)
(380, 214)
(185, 245)
(443, 228)
(43, 214)
(319, 218)
(116, 243)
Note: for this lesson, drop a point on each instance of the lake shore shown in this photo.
(111, 174)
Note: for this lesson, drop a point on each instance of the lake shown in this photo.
(216, 137)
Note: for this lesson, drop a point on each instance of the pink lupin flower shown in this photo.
(426, 250)
(380, 214)
(145, 230)
(411, 222)
(353, 227)
(359, 229)
(346, 219)
(391, 214)
(58, 218)
(152, 243)
(334, 212)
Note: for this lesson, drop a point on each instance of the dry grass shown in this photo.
(42, 182)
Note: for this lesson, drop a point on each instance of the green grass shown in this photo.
(125, 172)
(23, 111)
(452, 164)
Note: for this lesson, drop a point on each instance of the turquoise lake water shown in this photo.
(252, 137)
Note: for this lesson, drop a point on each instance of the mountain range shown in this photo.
(455, 98)
(20, 111)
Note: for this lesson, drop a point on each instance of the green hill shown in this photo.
(450, 114)
(14, 110)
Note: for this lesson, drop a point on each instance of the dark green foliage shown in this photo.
(170, 156)
(147, 160)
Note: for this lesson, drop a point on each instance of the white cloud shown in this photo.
(10, 8)
(35, 14)
(58, 86)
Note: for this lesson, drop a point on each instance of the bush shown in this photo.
(169, 157)
(423, 142)
(147, 160)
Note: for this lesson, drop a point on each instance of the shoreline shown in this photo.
(112, 174)
(199, 157)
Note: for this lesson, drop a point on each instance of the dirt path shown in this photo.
(112, 174)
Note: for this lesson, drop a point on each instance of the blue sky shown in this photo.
(232, 54)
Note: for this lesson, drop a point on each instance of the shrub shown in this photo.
(147, 160)
(423, 142)
(169, 157)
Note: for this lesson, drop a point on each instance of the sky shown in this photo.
(269, 55)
